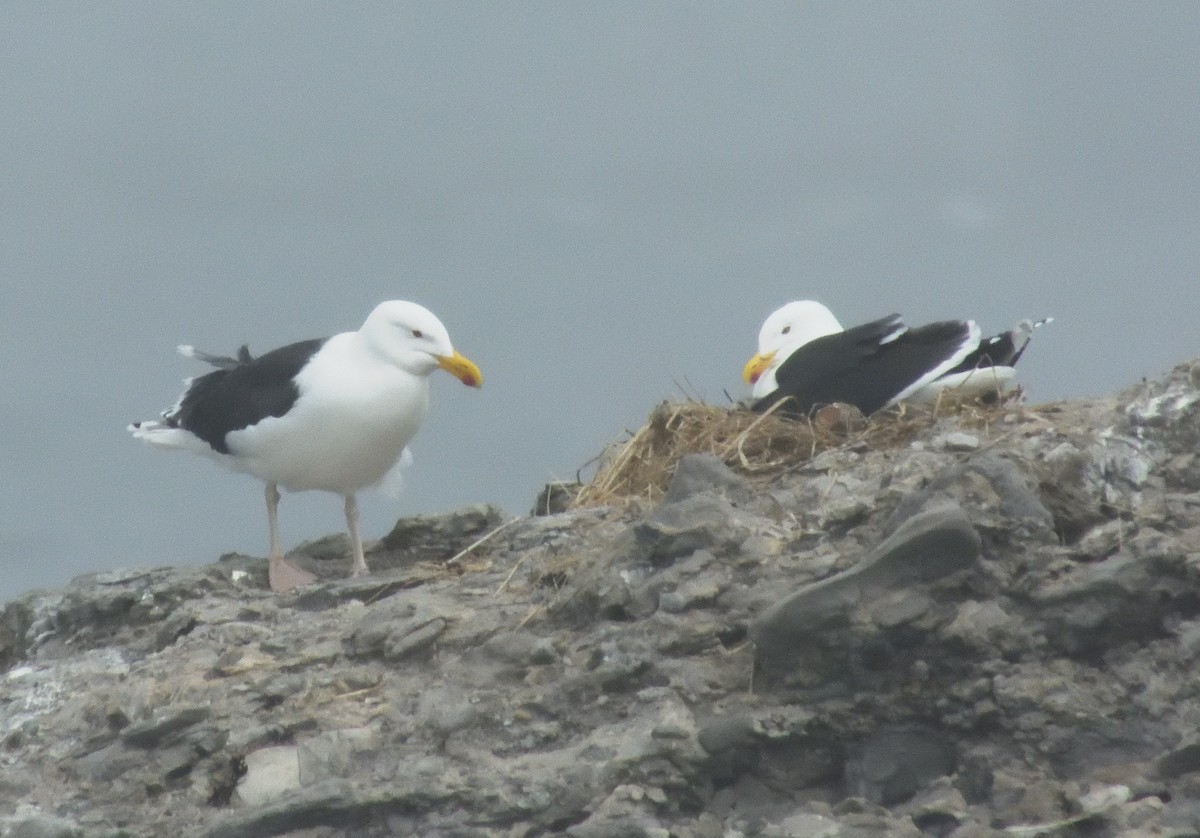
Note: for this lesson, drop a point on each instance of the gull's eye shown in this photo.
(417, 333)
(787, 329)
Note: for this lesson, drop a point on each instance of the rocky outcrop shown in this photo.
(987, 631)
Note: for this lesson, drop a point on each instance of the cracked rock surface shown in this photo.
(986, 632)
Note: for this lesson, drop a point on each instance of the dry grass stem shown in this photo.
(532, 613)
(510, 575)
(481, 540)
(758, 446)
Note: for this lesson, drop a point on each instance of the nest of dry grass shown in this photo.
(758, 446)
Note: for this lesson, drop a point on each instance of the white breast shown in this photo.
(354, 416)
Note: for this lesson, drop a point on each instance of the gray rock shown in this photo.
(1073, 489)
(270, 774)
(924, 549)
(993, 490)
(725, 735)
(411, 637)
(979, 671)
(331, 804)
(334, 547)
(331, 755)
(698, 473)
(959, 441)
(892, 764)
(704, 521)
(808, 825)
(175, 627)
(556, 497)
(1179, 761)
(987, 628)
(152, 733)
(1168, 409)
(43, 826)
(433, 538)
(443, 712)
(1124, 597)
(398, 628)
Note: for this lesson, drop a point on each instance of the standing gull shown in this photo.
(805, 356)
(333, 414)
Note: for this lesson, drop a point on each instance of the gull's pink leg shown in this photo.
(359, 568)
(282, 574)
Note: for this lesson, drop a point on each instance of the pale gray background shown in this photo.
(601, 201)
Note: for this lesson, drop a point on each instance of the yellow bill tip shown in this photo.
(462, 368)
(756, 366)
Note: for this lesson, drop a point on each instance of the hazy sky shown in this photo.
(601, 201)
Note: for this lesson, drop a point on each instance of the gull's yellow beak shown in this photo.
(756, 366)
(462, 368)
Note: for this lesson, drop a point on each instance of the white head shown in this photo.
(786, 330)
(411, 337)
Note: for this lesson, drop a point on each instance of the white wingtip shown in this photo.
(161, 435)
(1023, 332)
(1027, 325)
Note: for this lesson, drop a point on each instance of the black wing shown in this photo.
(224, 362)
(997, 351)
(243, 393)
(866, 366)
(1002, 350)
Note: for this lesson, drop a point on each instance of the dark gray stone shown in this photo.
(1181, 817)
(556, 498)
(733, 745)
(433, 537)
(891, 765)
(925, 548)
(44, 826)
(411, 637)
(700, 522)
(992, 489)
(1093, 744)
(1126, 597)
(397, 628)
(1168, 409)
(725, 735)
(1182, 760)
(107, 764)
(330, 804)
(696, 473)
(15, 622)
(152, 733)
(174, 628)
